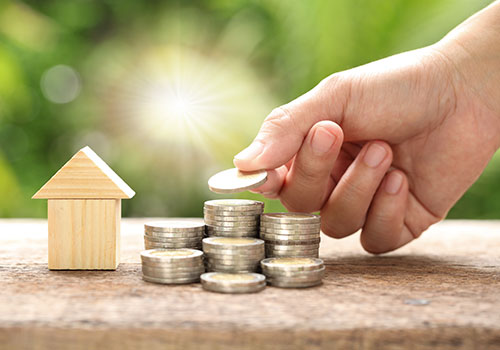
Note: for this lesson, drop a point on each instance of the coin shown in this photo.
(291, 264)
(233, 283)
(173, 239)
(240, 218)
(232, 243)
(225, 213)
(236, 224)
(211, 229)
(234, 204)
(180, 280)
(277, 237)
(174, 255)
(159, 272)
(291, 218)
(290, 227)
(175, 226)
(292, 247)
(234, 181)
(292, 242)
(284, 253)
(286, 284)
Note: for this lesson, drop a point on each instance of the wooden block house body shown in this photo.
(84, 213)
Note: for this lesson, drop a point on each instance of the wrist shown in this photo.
(471, 53)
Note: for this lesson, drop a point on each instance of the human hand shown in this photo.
(388, 147)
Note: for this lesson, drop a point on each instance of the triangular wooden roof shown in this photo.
(85, 176)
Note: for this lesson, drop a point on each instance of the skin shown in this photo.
(388, 147)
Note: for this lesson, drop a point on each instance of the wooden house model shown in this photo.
(84, 212)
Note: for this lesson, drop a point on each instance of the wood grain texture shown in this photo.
(84, 234)
(85, 175)
(362, 304)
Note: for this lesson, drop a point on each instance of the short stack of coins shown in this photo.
(172, 266)
(233, 283)
(293, 272)
(233, 254)
(174, 234)
(290, 234)
(233, 217)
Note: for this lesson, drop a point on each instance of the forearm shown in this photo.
(473, 49)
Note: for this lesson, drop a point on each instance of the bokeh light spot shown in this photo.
(60, 84)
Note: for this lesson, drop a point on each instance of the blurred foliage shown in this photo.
(242, 58)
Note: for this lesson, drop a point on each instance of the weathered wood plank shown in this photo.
(363, 303)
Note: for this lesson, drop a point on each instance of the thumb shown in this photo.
(284, 130)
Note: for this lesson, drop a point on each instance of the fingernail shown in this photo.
(250, 152)
(393, 182)
(374, 155)
(322, 141)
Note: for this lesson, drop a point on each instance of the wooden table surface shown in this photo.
(442, 291)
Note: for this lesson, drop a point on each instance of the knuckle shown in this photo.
(279, 121)
(339, 229)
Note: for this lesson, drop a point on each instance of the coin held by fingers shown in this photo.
(234, 180)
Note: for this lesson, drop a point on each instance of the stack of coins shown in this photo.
(233, 283)
(293, 272)
(233, 254)
(233, 217)
(174, 234)
(172, 266)
(290, 234)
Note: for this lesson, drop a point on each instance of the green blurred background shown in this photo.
(121, 76)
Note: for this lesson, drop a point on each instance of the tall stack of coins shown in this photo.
(233, 254)
(233, 283)
(172, 266)
(174, 234)
(290, 234)
(233, 217)
(293, 272)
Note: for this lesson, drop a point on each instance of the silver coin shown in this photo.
(193, 234)
(293, 228)
(280, 237)
(224, 213)
(287, 232)
(292, 264)
(233, 234)
(164, 273)
(171, 280)
(252, 253)
(292, 254)
(292, 242)
(293, 247)
(233, 283)
(286, 284)
(296, 275)
(163, 245)
(233, 224)
(218, 218)
(173, 255)
(233, 204)
(291, 218)
(234, 181)
(230, 269)
(246, 263)
(174, 225)
(175, 267)
(232, 243)
(174, 239)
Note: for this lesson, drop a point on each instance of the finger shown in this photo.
(284, 130)
(345, 211)
(384, 229)
(275, 179)
(309, 177)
